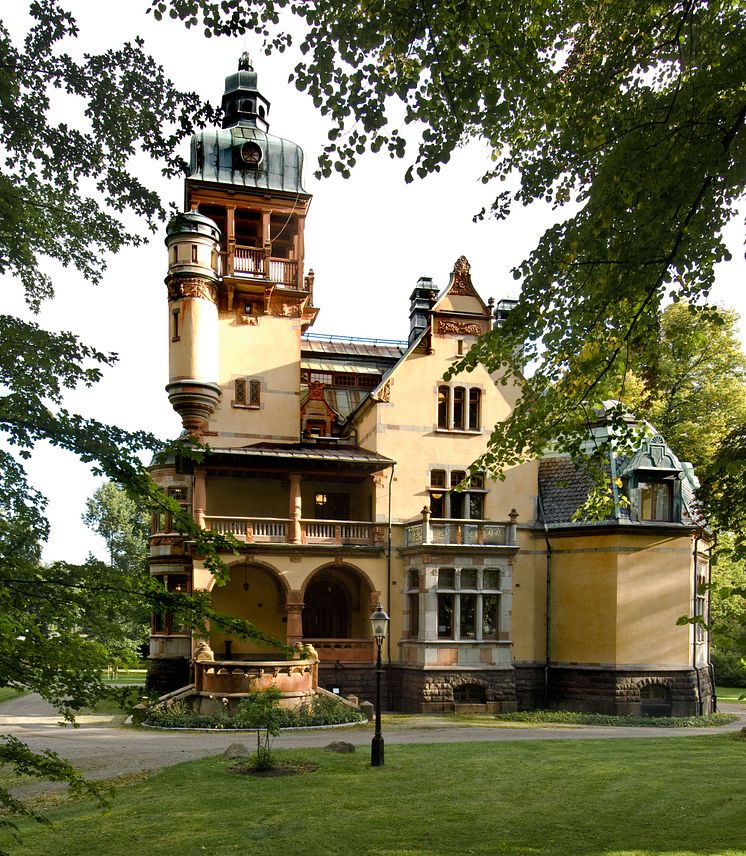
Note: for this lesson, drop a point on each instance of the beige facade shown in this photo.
(342, 467)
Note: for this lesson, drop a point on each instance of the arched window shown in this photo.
(444, 402)
(459, 406)
(475, 400)
(655, 700)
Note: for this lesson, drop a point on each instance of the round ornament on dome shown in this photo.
(251, 154)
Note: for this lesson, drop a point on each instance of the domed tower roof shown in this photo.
(242, 152)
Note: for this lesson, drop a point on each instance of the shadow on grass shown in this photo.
(669, 797)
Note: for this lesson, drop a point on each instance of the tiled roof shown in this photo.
(562, 488)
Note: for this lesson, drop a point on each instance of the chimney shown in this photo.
(502, 308)
(421, 302)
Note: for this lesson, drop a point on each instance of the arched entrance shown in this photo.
(336, 614)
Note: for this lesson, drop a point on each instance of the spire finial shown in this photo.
(244, 64)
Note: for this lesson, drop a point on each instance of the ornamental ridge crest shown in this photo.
(462, 278)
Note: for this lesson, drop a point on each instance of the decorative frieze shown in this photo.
(179, 289)
(459, 328)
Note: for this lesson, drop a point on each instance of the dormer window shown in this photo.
(656, 500)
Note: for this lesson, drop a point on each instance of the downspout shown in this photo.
(388, 591)
(694, 632)
(714, 704)
(548, 604)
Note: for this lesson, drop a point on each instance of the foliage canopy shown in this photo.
(630, 115)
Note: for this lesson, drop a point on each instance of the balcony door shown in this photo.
(326, 611)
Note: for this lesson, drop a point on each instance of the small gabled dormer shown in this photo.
(653, 478)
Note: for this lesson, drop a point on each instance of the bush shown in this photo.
(730, 669)
(256, 711)
(569, 717)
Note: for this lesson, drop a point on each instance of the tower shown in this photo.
(237, 288)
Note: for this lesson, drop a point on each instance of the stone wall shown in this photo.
(432, 691)
(689, 691)
(165, 676)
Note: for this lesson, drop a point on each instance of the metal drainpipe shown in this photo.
(388, 594)
(694, 633)
(711, 668)
(548, 645)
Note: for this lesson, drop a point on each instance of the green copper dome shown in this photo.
(243, 152)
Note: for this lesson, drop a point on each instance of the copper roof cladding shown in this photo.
(213, 159)
(384, 351)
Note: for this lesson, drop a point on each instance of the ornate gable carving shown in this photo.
(462, 278)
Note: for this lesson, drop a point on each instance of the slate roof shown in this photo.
(562, 489)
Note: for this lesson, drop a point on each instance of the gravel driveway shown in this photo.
(104, 749)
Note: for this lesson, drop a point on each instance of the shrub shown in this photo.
(569, 717)
(258, 710)
(730, 669)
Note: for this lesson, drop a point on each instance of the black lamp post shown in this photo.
(380, 623)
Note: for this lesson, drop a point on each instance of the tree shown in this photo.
(699, 397)
(630, 115)
(67, 189)
(123, 523)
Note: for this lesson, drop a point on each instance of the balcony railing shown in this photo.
(227, 677)
(476, 533)
(257, 530)
(258, 262)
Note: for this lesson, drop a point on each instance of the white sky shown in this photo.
(368, 239)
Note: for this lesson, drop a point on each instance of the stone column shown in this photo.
(296, 509)
(199, 497)
(294, 607)
(513, 527)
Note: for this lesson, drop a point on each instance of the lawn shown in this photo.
(647, 797)
(731, 694)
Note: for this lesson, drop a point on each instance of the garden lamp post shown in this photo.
(380, 623)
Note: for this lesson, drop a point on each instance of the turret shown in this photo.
(193, 242)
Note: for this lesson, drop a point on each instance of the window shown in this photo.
(175, 316)
(247, 393)
(468, 603)
(459, 408)
(444, 407)
(700, 609)
(446, 502)
(656, 500)
(413, 602)
(163, 621)
(475, 399)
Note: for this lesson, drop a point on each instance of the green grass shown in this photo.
(8, 693)
(136, 677)
(731, 694)
(648, 797)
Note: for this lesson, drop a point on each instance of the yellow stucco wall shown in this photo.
(268, 352)
(615, 600)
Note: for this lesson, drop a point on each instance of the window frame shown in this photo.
(459, 408)
(247, 393)
(443, 494)
(462, 593)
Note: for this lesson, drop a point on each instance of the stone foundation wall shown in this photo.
(165, 676)
(414, 690)
(529, 687)
(418, 691)
(601, 691)
(358, 681)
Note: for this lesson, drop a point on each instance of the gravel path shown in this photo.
(104, 749)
